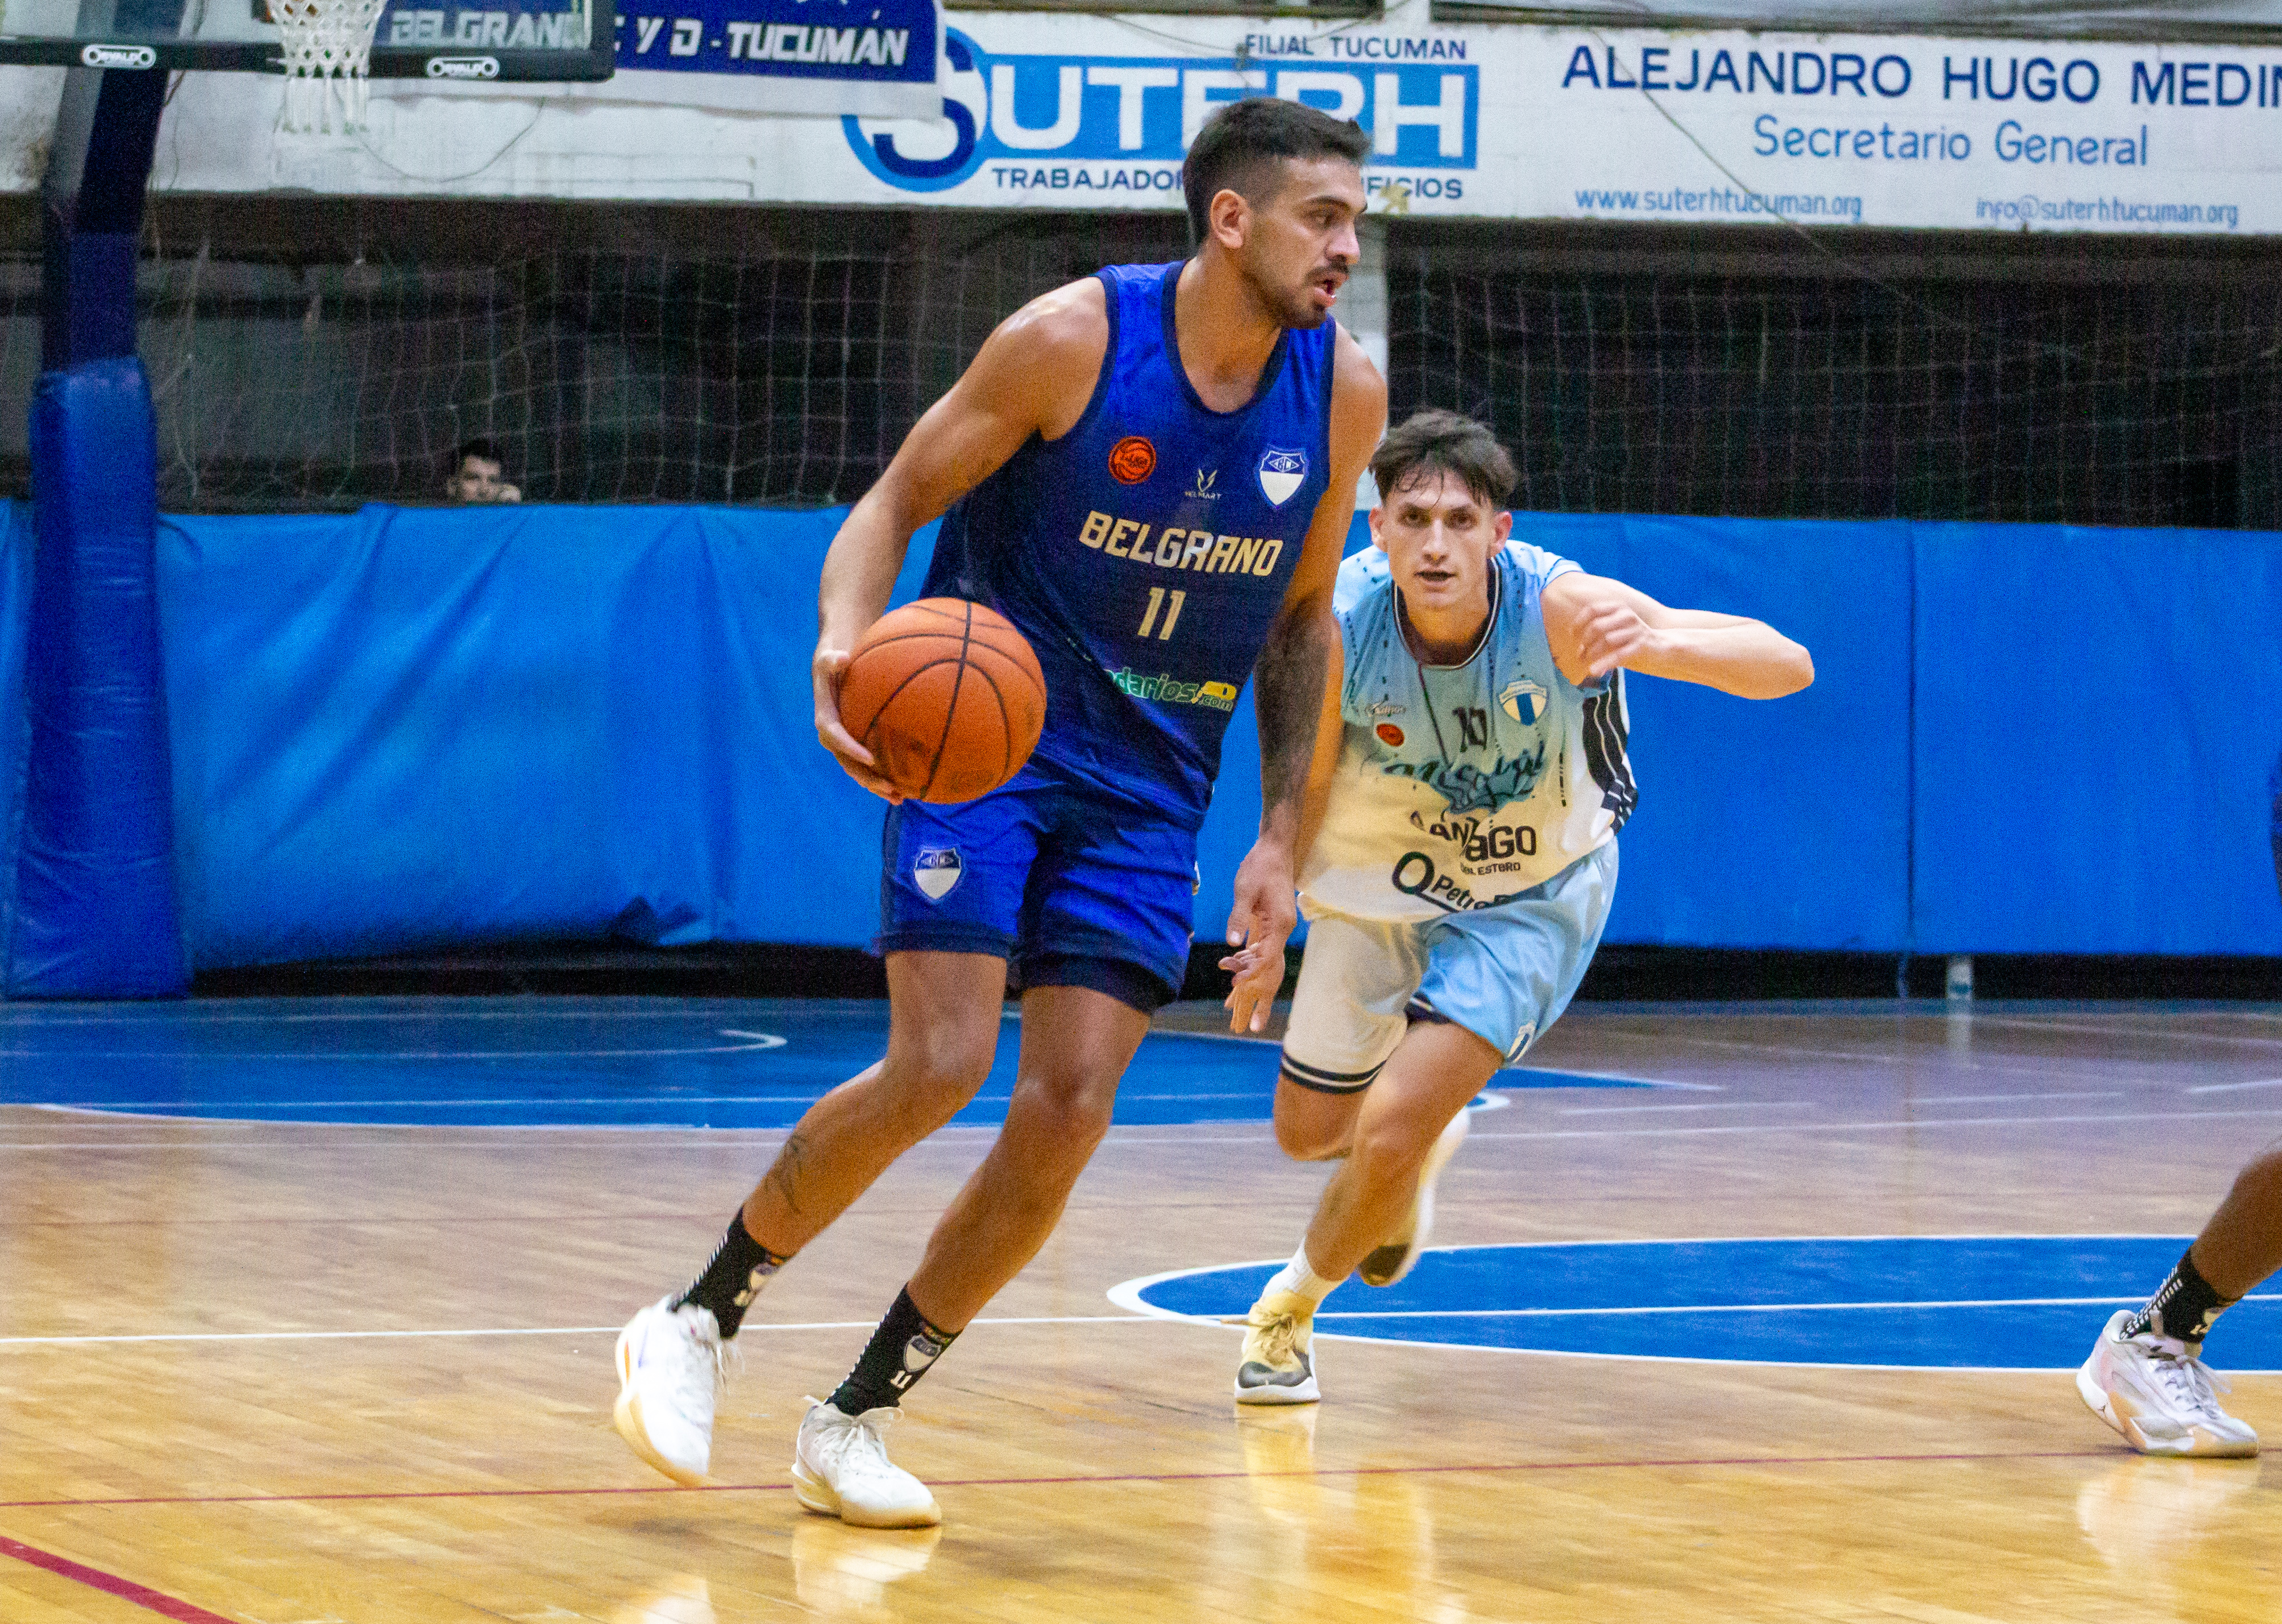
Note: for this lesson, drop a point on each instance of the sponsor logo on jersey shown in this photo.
(1207, 478)
(1389, 734)
(1132, 460)
(1174, 548)
(1388, 707)
(935, 870)
(1173, 690)
(1523, 701)
(1467, 788)
(1414, 874)
(1282, 473)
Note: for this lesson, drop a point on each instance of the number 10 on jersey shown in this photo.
(1172, 612)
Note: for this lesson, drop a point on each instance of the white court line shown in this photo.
(1740, 1308)
(1611, 1077)
(590, 1330)
(1924, 1055)
(2264, 1082)
(762, 1041)
(2112, 1029)
(1717, 1105)
(25, 1020)
(633, 1096)
(2026, 1097)
(1844, 1127)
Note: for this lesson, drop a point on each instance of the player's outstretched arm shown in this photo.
(1596, 625)
(1034, 375)
(1287, 697)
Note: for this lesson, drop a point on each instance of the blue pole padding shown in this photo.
(94, 913)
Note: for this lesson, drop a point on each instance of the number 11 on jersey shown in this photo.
(1172, 614)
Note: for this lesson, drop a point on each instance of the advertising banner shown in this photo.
(880, 57)
(1528, 122)
(2243, 20)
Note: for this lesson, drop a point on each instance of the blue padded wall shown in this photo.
(1779, 824)
(15, 726)
(404, 729)
(2098, 715)
(93, 910)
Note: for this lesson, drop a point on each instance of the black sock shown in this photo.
(740, 1266)
(2183, 1308)
(899, 1353)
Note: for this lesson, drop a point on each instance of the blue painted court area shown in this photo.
(553, 1063)
(1948, 1302)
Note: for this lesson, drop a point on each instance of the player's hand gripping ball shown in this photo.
(947, 696)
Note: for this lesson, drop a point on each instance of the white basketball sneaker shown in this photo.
(1278, 1365)
(669, 1369)
(2158, 1393)
(840, 1466)
(1388, 1263)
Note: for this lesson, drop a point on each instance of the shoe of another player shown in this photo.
(840, 1466)
(1388, 1263)
(668, 1369)
(2159, 1394)
(1278, 1365)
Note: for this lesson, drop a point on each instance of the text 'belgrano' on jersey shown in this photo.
(1146, 554)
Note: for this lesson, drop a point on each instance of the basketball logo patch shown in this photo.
(1282, 473)
(1132, 460)
(935, 870)
(1388, 733)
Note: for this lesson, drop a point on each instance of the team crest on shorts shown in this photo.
(935, 870)
(1523, 701)
(1281, 473)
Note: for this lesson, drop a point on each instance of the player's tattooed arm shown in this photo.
(1034, 375)
(1288, 696)
(1595, 624)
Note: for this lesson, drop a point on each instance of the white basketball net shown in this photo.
(327, 56)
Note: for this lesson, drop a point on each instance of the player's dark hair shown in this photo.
(482, 445)
(1241, 146)
(1429, 443)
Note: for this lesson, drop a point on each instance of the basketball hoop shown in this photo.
(327, 60)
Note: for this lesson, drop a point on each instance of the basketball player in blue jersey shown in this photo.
(1151, 473)
(1459, 831)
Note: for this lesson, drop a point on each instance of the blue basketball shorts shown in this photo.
(1071, 887)
(1503, 973)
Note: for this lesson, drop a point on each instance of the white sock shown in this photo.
(1299, 1277)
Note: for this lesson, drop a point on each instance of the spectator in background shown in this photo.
(477, 474)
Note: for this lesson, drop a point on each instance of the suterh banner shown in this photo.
(1528, 122)
(2246, 21)
(879, 58)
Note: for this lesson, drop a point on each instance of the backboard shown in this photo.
(516, 39)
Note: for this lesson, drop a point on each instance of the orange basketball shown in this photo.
(947, 696)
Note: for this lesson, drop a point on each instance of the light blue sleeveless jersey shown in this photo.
(1461, 786)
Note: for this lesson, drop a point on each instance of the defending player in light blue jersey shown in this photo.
(1469, 781)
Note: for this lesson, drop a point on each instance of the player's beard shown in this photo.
(1293, 307)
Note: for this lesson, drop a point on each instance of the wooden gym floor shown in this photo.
(282, 1372)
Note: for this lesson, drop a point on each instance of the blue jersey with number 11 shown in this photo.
(1145, 552)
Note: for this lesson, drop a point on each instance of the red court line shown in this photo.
(110, 1584)
(1675, 1463)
